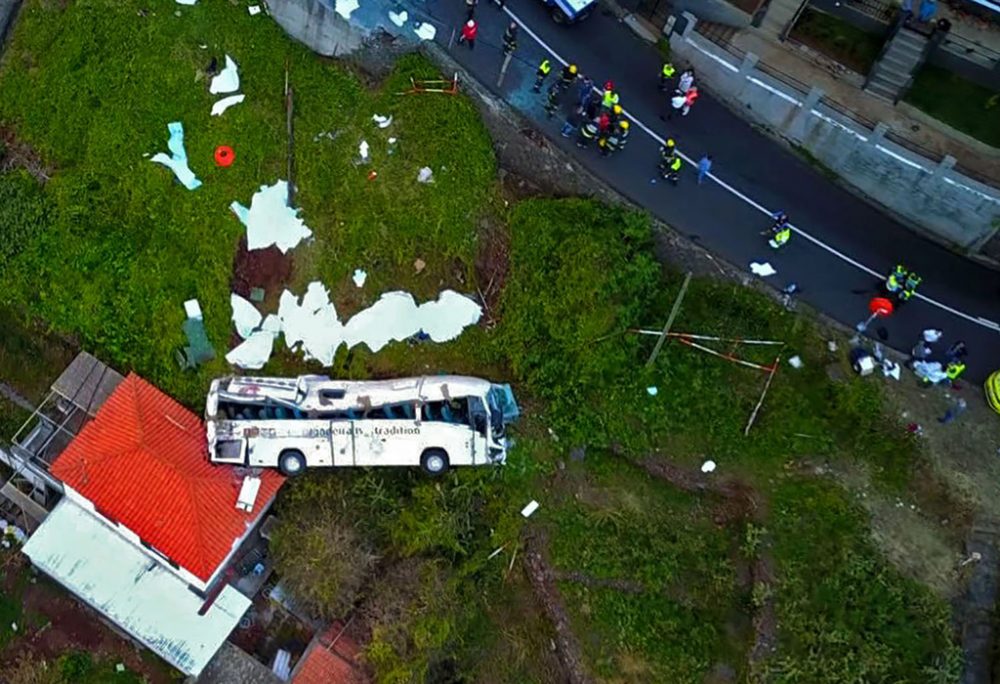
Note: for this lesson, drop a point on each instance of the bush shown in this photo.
(24, 214)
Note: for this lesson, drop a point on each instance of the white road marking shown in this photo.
(989, 325)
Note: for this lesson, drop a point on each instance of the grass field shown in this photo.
(111, 246)
(958, 102)
(838, 39)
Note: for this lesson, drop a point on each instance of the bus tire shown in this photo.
(291, 462)
(434, 462)
(558, 16)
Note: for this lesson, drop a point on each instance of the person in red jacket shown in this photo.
(469, 31)
(689, 99)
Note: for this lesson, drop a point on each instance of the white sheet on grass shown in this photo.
(177, 161)
(227, 80)
(225, 103)
(253, 352)
(246, 318)
(270, 221)
(345, 7)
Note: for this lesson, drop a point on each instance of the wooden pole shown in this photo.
(767, 385)
(503, 67)
(670, 320)
(289, 110)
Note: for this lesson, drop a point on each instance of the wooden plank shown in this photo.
(670, 320)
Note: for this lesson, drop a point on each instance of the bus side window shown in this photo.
(477, 415)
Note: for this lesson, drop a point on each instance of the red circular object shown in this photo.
(880, 306)
(224, 155)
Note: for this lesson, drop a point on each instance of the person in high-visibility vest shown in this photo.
(954, 369)
(544, 69)
(552, 101)
(616, 139)
(781, 231)
(992, 387)
(588, 133)
(568, 76)
(609, 98)
(894, 281)
(666, 73)
(910, 286)
(670, 168)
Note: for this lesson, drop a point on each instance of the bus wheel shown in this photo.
(434, 461)
(291, 462)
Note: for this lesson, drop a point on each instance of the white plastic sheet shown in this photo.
(253, 352)
(178, 160)
(359, 277)
(425, 31)
(345, 7)
(762, 269)
(398, 18)
(225, 103)
(382, 121)
(270, 221)
(227, 80)
(246, 318)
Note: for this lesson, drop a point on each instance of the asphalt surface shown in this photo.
(746, 160)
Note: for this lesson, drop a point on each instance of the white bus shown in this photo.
(296, 423)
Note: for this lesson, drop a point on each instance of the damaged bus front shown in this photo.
(296, 423)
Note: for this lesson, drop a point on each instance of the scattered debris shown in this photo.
(419, 265)
(762, 269)
(528, 510)
(270, 221)
(795, 362)
(345, 7)
(975, 557)
(186, 2)
(382, 121)
(177, 161)
(372, 175)
(496, 551)
(832, 346)
(398, 18)
(199, 349)
(652, 391)
(363, 151)
(890, 369)
(932, 335)
(254, 10)
(228, 80)
(246, 318)
(120, 667)
(253, 352)
(425, 31)
(192, 309)
(708, 466)
(392, 146)
(914, 429)
(225, 103)
(332, 135)
(425, 175)
(359, 277)
(930, 371)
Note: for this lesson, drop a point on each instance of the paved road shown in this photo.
(745, 160)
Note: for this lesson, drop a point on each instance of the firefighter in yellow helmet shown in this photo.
(568, 76)
(617, 137)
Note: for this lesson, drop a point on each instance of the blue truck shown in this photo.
(570, 11)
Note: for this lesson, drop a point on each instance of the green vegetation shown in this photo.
(654, 579)
(958, 102)
(851, 46)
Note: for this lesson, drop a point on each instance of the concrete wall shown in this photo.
(717, 11)
(8, 11)
(316, 24)
(926, 192)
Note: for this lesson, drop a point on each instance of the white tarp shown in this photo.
(425, 31)
(178, 160)
(246, 318)
(227, 80)
(345, 7)
(270, 221)
(225, 103)
(132, 589)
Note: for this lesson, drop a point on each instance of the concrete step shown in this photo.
(779, 14)
(884, 73)
(881, 93)
(904, 51)
(899, 63)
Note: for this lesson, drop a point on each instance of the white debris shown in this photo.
(177, 161)
(271, 324)
(225, 103)
(254, 10)
(345, 7)
(530, 508)
(363, 150)
(270, 221)
(890, 369)
(764, 269)
(932, 335)
(708, 467)
(248, 493)
(398, 18)
(796, 362)
(186, 2)
(254, 352)
(246, 318)
(831, 345)
(192, 308)
(227, 80)
(425, 31)
(652, 391)
(359, 277)
(382, 121)
(425, 175)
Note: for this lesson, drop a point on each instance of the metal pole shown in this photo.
(767, 385)
(670, 320)
(503, 67)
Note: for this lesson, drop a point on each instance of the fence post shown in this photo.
(690, 21)
(796, 128)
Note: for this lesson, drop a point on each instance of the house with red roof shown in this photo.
(147, 527)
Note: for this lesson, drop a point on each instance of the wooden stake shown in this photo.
(289, 111)
(770, 377)
(670, 320)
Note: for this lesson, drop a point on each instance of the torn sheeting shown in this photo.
(425, 175)
(425, 31)
(363, 150)
(762, 269)
(227, 80)
(398, 18)
(345, 7)
(708, 467)
(271, 324)
(177, 161)
(253, 352)
(246, 318)
(270, 221)
(186, 2)
(225, 103)
(359, 277)
(382, 121)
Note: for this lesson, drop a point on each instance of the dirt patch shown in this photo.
(543, 582)
(268, 269)
(15, 154)
(492, 267)
(55, 624)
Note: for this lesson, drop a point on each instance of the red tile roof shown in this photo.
(325, 664)
(143, 463)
